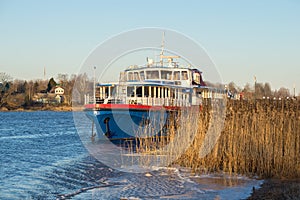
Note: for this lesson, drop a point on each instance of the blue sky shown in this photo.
(243, 38)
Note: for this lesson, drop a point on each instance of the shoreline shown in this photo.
(45, 108)
(277, 189)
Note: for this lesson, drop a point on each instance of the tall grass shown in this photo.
(259, 138)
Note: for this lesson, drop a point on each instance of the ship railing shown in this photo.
(153, 101)
(150, 101)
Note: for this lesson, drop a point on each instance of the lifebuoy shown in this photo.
(132, 101)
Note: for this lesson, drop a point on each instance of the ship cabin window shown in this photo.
(133, 76)
(167, 75)
(112, 91)
(196, 78)
(184, 75)
(177, 75)
(139, 91)
(152, 92)
(129, 76)
(153, 74)
(156, 93)
(146, 91)
(130, 91)
(105, 92)
(142, 75)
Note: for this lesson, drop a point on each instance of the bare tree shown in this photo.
(282, 93)
(259, 91)
(29, 93)
(5, 78)
(247, 91)
(82, 86)
(62, 79)
(41, 86)
(232, 87)
(69, 89)
(267, 90)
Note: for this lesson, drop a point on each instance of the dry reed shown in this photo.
(259, 138)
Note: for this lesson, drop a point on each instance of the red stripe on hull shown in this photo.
(129, 106)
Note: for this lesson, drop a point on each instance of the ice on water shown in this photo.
(174, 183)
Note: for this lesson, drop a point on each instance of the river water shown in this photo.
(42, 157)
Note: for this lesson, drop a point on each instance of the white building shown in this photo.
(59, 91)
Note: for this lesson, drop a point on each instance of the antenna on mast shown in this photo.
(162, 56)
(162, 49)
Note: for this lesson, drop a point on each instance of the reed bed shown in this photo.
(260, 138)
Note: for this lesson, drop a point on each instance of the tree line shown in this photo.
(15, 93)
(259, 91)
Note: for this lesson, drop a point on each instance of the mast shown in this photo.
(162, 49)
(162, 56)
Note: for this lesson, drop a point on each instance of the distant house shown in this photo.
(55, 96)
(59, 91)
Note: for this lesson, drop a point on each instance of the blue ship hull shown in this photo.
(123, 125)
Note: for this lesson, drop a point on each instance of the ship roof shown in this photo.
(135, 67)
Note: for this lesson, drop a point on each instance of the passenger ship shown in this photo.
(144, 99)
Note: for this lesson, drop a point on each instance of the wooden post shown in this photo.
(93, 133)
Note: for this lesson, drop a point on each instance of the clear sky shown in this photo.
(243, 38)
